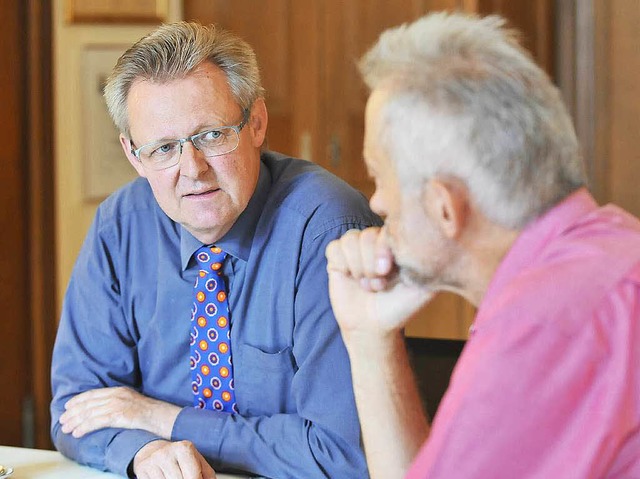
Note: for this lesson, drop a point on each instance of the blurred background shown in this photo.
(61, 156)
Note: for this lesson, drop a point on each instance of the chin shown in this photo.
(207, 232)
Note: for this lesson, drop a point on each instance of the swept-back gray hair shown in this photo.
(172, 52)
(463, 84)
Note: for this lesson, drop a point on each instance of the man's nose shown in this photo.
(192, 161)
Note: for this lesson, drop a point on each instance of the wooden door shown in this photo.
(15, 346)
(282, 35)
(27, 273)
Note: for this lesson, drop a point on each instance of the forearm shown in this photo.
(107, 449)
(281, 445)
(394, 424)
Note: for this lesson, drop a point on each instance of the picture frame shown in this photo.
(105, 166)
(116, 11)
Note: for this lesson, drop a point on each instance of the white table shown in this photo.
(38, 464)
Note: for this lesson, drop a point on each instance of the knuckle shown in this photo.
(186, 446)
(352, 233)
(331, 248)
(350, 237)
(370, 234)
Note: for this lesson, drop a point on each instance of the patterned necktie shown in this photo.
(210, 361)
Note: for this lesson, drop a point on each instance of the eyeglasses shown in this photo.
(160, 155)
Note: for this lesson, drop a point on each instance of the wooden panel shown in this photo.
(601, 121)
(266, 27)
(350, 28)
(117, 11)
(14, 261)
(306, 55)
(624, 82)
(534, 19)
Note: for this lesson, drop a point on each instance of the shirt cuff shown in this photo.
(123, 448)
(201, 427)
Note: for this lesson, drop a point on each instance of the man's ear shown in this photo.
(448, 204)
(258, 120)
(126, 147)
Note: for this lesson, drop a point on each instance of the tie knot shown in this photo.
(210, 258)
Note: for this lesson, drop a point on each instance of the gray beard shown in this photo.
(412, 276)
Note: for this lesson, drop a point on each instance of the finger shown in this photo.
(89, 422)
(352, 257)
(89, 407)
(375, 284)
(72, 418)
(368, 251)
(171, 468)
(86, 406)
(335, 257)
(188, 459)
(80, 399)
(207, 470)
(100, 394)
(385, 262)
(152, 471)
(81, 421)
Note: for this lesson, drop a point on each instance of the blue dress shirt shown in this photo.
(126, 322)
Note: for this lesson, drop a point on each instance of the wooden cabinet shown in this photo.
(308, 52)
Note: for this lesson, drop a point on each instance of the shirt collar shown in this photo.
(237, 242)
(536, 236)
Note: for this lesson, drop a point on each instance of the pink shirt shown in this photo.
(548, 385)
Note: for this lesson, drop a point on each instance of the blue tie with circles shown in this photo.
(210, 360)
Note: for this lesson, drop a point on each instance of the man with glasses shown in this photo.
(139, 345)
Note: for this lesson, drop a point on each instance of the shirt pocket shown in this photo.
(263, 380)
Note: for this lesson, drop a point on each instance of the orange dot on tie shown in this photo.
(216, 250)
(224, 372)
(205, 369)
(223, 347)
(200, 296)
(202, 321)
(203, 345)
(222, 296)
(216, 266)
(226, 396)
(202, 273)
(206, 392)
(222, 322)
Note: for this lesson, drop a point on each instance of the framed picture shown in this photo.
(105, 166)
(116, 11)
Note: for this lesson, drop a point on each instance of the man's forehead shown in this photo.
(376, 101)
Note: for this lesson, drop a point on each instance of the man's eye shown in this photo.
(213, 136)
(163, 150)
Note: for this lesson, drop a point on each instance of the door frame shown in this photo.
(40, 227)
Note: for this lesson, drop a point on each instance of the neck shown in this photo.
(484, 245)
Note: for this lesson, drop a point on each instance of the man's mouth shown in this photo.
(203, 192)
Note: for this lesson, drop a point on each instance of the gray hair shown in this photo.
(463, 88)
(172, 52)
